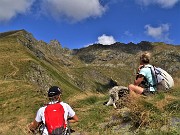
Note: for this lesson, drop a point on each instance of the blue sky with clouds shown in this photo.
(79, 23)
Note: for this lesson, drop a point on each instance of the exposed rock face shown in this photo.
(40, 77)
(118, 54)
(30, 42)
(55, 43)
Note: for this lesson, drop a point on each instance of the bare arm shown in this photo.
(33, 125)
(139, 80)
(73, 119)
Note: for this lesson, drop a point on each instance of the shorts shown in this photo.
(147, 92)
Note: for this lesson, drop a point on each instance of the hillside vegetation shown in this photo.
(28, 67)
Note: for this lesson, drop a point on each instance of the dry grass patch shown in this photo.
(176, 82)
(5, 127)
(167, 100)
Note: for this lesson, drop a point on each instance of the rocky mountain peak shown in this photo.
(55, 43)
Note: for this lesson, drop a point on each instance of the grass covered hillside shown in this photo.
(24, 79)
(28, 67)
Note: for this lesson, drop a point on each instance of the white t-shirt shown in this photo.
(40, 114)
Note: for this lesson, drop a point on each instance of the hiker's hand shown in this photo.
(31, 132)
(139, 68)
(32, 127)
(28, 130)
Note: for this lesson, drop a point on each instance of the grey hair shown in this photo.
(54, 98)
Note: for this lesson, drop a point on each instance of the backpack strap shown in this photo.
(154, 75)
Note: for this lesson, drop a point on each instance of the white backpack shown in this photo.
(162, 77)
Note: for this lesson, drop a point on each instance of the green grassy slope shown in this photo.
(29, 67)
(19, 96)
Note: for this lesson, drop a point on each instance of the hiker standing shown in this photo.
(144, 82)
(54, 115)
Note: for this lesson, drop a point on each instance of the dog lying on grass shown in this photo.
(115, 94)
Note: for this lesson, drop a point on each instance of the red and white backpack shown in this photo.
(54, 119)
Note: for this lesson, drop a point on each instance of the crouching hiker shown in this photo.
(54, 115)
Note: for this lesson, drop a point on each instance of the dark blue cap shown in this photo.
(53, 91)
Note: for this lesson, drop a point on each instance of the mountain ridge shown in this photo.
(117, 55)
(30, 66)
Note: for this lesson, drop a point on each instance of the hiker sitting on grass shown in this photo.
(144, 83)
(54, 115)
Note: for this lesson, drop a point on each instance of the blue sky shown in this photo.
(79, 23)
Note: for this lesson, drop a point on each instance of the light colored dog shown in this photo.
(115, 93)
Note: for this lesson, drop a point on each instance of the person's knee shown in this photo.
(130, 87)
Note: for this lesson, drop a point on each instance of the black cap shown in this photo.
(53, 91)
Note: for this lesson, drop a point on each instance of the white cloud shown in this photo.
(127, 33)
(162, 3)
(74, 10)
(11, 8)
(106, 40)
(159, 33)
